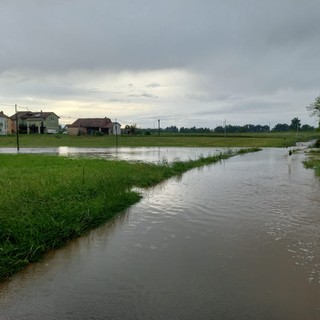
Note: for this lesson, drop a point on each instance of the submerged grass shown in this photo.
(313, 161)
(48, 200)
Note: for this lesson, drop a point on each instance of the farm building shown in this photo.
(94, 126)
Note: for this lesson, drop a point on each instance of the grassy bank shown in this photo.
(313, 161)
(47, 200)
(211, 140)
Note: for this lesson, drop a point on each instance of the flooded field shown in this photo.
(234, 240)
(149, 154)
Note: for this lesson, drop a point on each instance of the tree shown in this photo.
(295, 124)
(219, 129)
(171, 129)
(314, 108)
(131, 129)
(307, 127)
(281, 127)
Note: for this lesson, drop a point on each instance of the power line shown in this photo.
(7, 105)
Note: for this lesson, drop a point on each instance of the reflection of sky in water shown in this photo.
(149, 154)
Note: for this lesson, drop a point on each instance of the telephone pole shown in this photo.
(17, 127)
(116, 128)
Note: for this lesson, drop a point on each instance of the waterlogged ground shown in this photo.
(149, 154)
(235, 240)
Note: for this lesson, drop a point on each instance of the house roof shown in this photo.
(28, 115)
(2, 115)
(93, 123)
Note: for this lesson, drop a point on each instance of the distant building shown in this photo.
(36, 122)
(116, 128)
(93, 126)
(5, 124)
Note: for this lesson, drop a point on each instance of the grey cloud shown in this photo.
(117, 100)
(122, 35)
(201, 97)
(143, 95)
(240, 49)
(211, 97)
(153, 85)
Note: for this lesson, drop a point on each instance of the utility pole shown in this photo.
(159, 126)
(225, 128)
(17, 127)
(116, 128)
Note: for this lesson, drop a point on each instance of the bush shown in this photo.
(317, 144)
(98, 133)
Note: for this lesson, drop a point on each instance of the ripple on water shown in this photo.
(199, 248)
(306, 255)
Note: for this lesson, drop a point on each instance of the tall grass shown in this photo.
(48, 200)
(313, 161)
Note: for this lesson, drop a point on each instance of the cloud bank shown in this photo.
(186, 62)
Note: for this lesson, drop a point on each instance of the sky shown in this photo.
(184, 62)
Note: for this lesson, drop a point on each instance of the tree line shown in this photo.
(313, 108)
(280, 127)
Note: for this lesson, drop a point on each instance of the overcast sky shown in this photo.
(185, 62)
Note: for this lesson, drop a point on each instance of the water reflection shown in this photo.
(235, 240)
(149, 154)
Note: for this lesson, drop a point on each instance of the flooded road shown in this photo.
(234, 240)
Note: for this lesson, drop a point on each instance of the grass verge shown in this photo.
(48, 200)
(313, 161)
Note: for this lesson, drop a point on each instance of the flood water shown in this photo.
(234, 240)
(149, 154)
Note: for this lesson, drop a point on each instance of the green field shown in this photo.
(212, 140)
(47, 200)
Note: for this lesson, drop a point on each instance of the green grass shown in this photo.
(313, 161)
(177, 140)
(48, 200)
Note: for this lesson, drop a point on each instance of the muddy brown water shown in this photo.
(234, 240)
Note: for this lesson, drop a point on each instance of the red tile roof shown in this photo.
(92, 123)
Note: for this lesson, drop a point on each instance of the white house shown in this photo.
(116, 128)
(5, 124)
